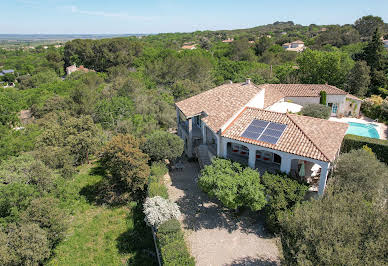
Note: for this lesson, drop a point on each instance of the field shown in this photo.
(98, 234)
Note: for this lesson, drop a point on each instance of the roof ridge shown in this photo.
(307, 136)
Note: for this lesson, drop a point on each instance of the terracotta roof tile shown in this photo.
(306, 90)
(271, 95)
(220, 103)
(305, 136)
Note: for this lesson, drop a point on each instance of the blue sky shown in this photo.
(153, 16)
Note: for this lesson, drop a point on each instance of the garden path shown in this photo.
(215, 235)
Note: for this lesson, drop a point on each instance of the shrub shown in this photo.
(316, 110)
(340, 229)
(283, 193)
(157, 189)
(233, 185)
(14, 199)
(360, 171)
(162, 145)
(27, 244)
(172, 244)
(378, 146)
(176, 253)
(46, 213)
(159, 210)
(158, 169)
(27, 170)
(322, 99)
(125, 161)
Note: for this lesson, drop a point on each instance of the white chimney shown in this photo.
(248, 81)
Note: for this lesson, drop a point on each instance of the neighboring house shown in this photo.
(237, 121)
(189, 47)
(7, 71)
(296, 46)
(228, 40)
(74, 68)
(385, 44)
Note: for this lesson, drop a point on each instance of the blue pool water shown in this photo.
(365, 130)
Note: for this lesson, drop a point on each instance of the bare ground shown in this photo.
(217, 236)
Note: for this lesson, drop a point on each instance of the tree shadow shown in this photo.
(104, 192)
(202, 212)
(250, 261)
(137, 240)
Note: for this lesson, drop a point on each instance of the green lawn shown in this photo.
(98, 234)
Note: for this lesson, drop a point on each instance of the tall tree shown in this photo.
(368, 24)
(358, 79)
(375, 56)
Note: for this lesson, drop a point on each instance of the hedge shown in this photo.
(172, 244)
(170, 237)
(378, 146)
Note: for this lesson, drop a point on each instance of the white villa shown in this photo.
(253, 124)
(296, 46)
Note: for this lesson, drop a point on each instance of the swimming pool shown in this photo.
(365, 130)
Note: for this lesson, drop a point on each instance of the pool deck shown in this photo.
(381, 127)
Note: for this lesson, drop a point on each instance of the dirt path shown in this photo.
(215, 235)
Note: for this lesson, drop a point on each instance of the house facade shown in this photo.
(296, 46)
(238, 121)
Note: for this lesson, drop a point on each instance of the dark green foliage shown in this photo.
(172, 244)
(233, 185)
(368, 24)
(100, 55)
(378, 146)
(316, 110)
(283, 193)
(349, 225)
(126, 163)
(322, 99)
(158, 169)
(162, 145)
(375, 56)
(109, 111)
(360, 171)
(358, 79)
(340, 229)
(262, 45)
(14, 199)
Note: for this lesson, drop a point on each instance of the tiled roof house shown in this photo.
(237, 121)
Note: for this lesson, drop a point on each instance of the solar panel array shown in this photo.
(265, 131)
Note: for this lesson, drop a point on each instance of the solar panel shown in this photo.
(273, 133)
(259, 123)
(264, 131)
(277, 126)
(252, 128)
(268, 139)
(251, 135)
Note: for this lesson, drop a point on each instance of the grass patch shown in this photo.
(101, 234)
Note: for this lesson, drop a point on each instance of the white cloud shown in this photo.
(76, 10)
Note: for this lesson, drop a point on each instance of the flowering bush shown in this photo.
(159, 210)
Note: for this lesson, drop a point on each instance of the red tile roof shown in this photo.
(304, 136)
(306, 90)
(220, 103)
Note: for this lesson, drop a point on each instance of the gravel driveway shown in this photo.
(215, 235)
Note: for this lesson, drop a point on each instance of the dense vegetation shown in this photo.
(349, 224)
(118, 115)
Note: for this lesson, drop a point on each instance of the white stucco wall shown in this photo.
(257, 101)
(302, 100)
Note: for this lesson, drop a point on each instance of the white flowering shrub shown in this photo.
(158, 210)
